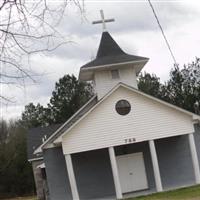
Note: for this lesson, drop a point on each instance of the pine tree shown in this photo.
(68, 96)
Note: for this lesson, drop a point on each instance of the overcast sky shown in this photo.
(135, 30)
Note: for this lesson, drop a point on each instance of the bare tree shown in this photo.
(28, 27)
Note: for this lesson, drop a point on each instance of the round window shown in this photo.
(123, 107)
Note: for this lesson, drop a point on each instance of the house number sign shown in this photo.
(130, 140)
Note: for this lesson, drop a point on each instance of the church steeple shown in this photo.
(111, 66)
(108, 46)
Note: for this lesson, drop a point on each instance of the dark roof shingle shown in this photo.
(34, 138)
(109, 52)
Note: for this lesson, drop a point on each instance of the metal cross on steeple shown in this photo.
(103, 21)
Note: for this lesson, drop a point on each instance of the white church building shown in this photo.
(122, 142)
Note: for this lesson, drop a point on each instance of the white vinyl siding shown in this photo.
(104, 81)
(104, 127)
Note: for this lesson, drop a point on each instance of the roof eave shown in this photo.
(40, 148)
(35, 159)
(196, 118)
(86, 73)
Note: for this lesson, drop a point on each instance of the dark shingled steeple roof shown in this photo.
(108, 47)
(109, 52)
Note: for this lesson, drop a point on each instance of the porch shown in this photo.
(169, 163)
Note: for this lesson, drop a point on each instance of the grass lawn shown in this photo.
(190, 193)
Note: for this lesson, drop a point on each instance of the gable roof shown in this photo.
(93, 103)
(194, 117)
(34, 139)
(109, 52)
(57, 132)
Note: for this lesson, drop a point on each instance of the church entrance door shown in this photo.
(132, 172)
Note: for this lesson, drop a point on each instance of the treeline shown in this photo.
(16, 176)
(68, 96)
(182, 89)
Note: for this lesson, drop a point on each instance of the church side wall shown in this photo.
(57, 176)
(197, 139)
(93, 174)
(175, 162)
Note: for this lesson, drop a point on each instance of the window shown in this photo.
(115, 74)
(123, 107)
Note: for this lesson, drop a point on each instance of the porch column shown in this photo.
(115, 172)
(155, 166)
(195, 161)
(71, 176)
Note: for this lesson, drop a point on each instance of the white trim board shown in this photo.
(112, 65)
(41, 166)
(35, 159)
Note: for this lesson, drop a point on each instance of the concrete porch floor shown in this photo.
(138, 193)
